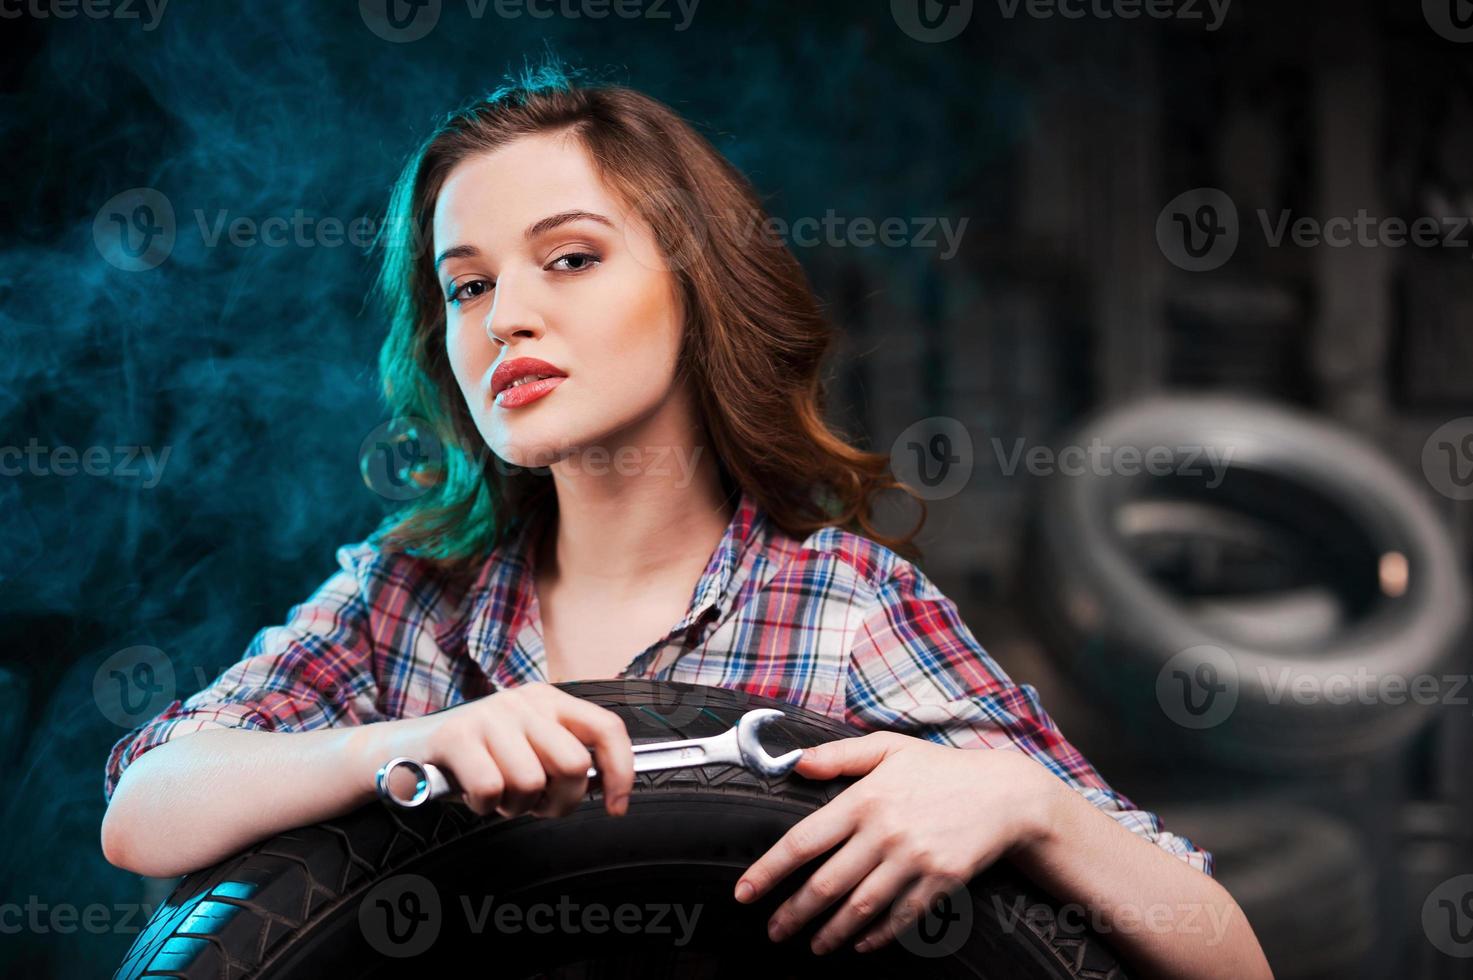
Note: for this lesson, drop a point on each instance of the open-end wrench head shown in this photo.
(754, 756)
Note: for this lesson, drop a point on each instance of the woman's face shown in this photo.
(537, 259)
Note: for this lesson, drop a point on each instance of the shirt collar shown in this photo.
(505, 587)
(716, 586)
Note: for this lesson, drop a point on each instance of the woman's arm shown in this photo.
(1164, 916)
(195, 800)
(273, 742)
(925, 819)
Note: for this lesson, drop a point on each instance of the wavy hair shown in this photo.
(753, 344)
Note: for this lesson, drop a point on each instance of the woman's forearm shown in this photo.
(199, 798)
(1165, 917)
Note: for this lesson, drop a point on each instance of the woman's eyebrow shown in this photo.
(457, 252)
(539, 227)
(561, 218)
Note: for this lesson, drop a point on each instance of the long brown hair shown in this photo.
(753, 343)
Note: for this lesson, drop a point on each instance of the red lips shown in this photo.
(519, 367)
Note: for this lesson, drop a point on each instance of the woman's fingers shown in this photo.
(565, 760)
(834, 880)
(521, 769)
(529, 749)
(478, 776)
(612, 748)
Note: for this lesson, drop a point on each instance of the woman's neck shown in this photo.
(616, 537)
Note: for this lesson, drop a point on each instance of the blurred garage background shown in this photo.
(1189, 387)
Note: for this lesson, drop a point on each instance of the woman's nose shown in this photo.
(511, 315)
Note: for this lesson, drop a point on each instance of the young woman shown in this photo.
(624, 379)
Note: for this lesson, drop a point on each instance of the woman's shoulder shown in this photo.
(390, 578)
(375, 566)
(872, 566)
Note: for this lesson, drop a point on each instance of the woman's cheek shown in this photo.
(465, 358)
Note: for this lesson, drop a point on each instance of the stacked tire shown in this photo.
(1260, 602)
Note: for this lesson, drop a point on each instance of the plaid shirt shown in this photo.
(836, 623)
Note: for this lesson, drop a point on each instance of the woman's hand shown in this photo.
(922, 822)
(522, 750)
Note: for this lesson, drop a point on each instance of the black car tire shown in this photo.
(354, 896)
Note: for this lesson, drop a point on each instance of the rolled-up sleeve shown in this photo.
(314, 671)
(915, 667)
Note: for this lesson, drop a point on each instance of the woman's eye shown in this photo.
(467, 290)
(580, 260)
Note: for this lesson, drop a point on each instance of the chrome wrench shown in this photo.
(739, 744)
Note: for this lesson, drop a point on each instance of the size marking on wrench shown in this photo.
(739, 744)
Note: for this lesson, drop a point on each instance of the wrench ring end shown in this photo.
(421, 788)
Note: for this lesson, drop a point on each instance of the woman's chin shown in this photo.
(530, 459)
